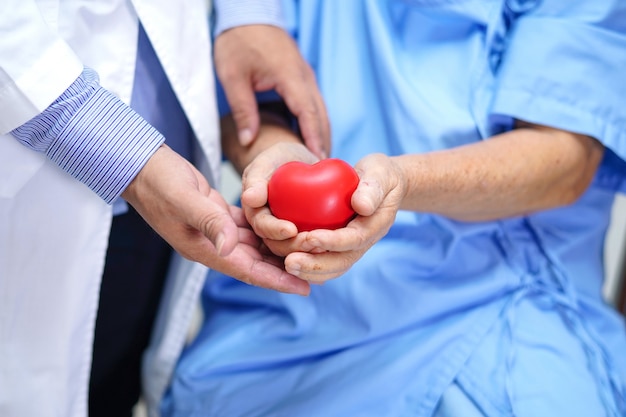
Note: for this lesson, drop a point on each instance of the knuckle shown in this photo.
(229, 73)
(211, 223)
(239, 111)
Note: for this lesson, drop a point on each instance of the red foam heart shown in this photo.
(313, 196)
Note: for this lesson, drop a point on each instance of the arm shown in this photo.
(123, 154)
(177, 201)
(253, 53)
(93, 136)
(529, 169)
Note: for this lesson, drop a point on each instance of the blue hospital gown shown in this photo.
(506, 317)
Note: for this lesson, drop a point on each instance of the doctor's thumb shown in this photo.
(219, 227)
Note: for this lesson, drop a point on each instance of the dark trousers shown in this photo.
(136, 266)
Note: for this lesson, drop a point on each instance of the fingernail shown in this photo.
(245, 137)
(219, 243)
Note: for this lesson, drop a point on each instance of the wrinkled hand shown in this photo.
(321, 255)
(254, 181)
(256, 58)
(178, 203)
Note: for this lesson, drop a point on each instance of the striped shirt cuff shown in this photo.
(93, 136)
(232, 13)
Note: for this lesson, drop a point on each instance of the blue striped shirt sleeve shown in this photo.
(231, 13)
(92, 135)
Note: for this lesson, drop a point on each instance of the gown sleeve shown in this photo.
(563, 65)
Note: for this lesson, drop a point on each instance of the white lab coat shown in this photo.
(53, 230)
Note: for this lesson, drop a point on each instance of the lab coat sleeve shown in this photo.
(563, 66)
(37, 69)
(36, 65)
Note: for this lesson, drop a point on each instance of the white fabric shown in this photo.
(53, 230)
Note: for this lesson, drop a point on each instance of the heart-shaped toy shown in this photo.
(313, 196)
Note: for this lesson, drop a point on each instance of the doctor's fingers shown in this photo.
(243, 106)
(253, 58)
(236, 56)
(301, 96)
(299, 90)
(247, 264)
(239, 217)
(211, 215)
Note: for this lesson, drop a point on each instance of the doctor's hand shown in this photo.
(321, 255)
(257, 58)
(178, 203)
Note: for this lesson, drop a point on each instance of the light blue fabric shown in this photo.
(506, 315)
(456, 403)
(232, 13)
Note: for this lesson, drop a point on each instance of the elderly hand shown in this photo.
(255, 58)
(178, 203)
(320, 255)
